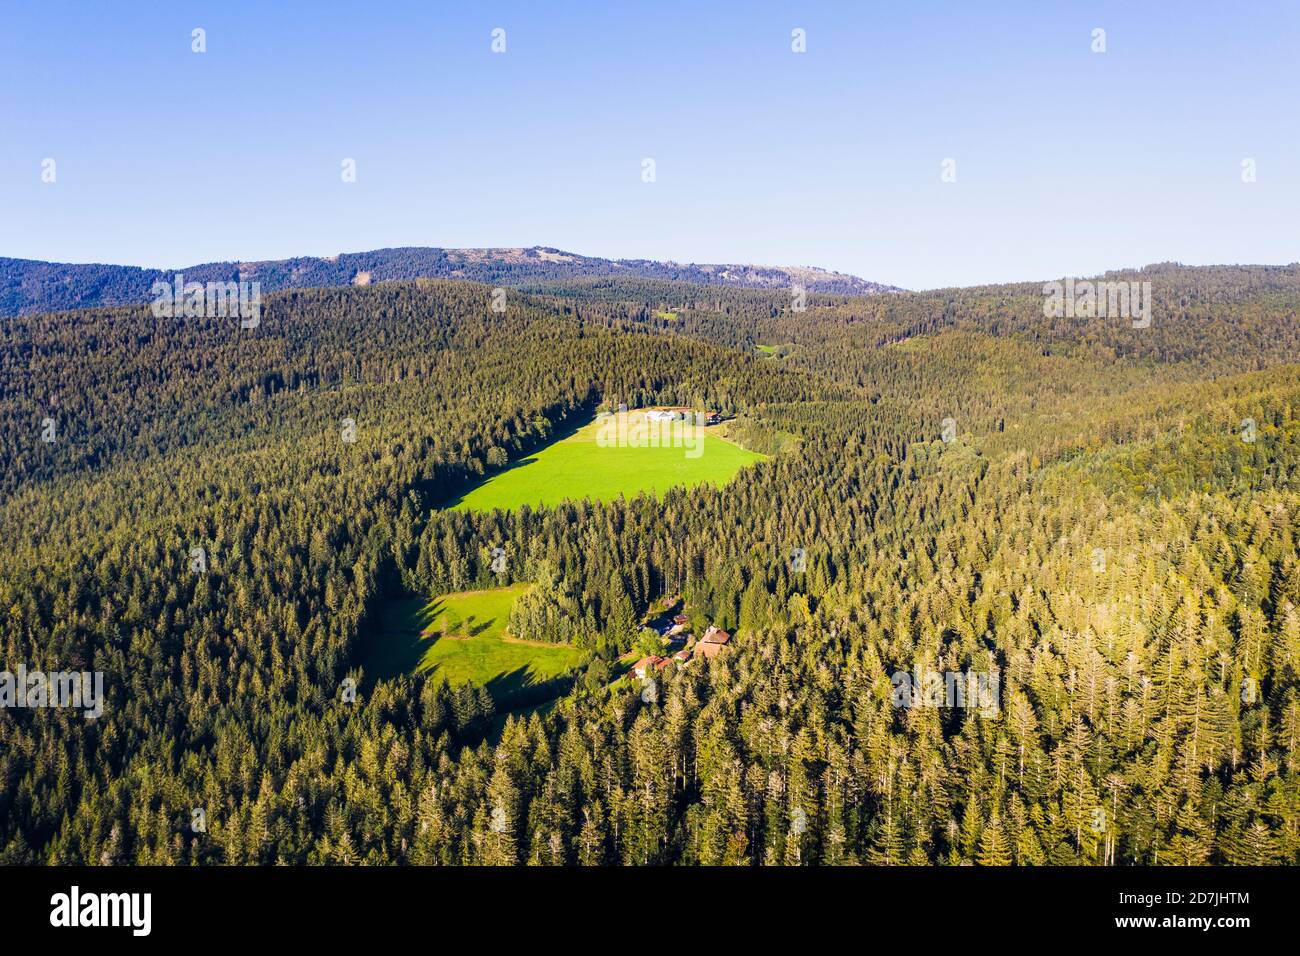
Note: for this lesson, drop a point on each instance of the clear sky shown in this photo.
(1068, 162)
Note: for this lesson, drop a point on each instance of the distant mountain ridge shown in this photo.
(30, 286)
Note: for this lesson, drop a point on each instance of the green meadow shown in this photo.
(578, 467)
(462, 638)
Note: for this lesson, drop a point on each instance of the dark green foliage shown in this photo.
(29, 287)
(1149, 707)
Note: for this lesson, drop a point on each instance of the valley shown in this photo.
(462, 638)
(618, 454)
(931, 483)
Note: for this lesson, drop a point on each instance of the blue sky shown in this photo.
(1068, 162)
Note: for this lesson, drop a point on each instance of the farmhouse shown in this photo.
(707, 647)
(707, 651)
(712, 643)
(688, 415)
(715, 635)
(642, 667)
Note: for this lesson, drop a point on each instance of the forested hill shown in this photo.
(1104, 516)
(28, 287)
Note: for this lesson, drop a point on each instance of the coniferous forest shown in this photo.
(1103, 516)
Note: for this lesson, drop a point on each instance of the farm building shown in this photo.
(687, 415)
(707, 647)
(715, 635)
(712, 643)
(642, 667)
(707, 651)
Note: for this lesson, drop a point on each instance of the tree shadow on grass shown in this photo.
(476, 629)
(509, 684)
(512, 689)
(520, 688)
(398, 644)
(428, 614)
(571, 425)
(392, 653)
(457, 627)
(456, 499)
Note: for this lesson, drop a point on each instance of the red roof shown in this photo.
(716, 635)
(646, 662)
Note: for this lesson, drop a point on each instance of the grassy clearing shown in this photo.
(577, 467)
(462, 638)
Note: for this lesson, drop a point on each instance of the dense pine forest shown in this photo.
(1105, 517)
(29, 287)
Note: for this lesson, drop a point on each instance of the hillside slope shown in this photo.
(28, 287)
(1103, 518)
